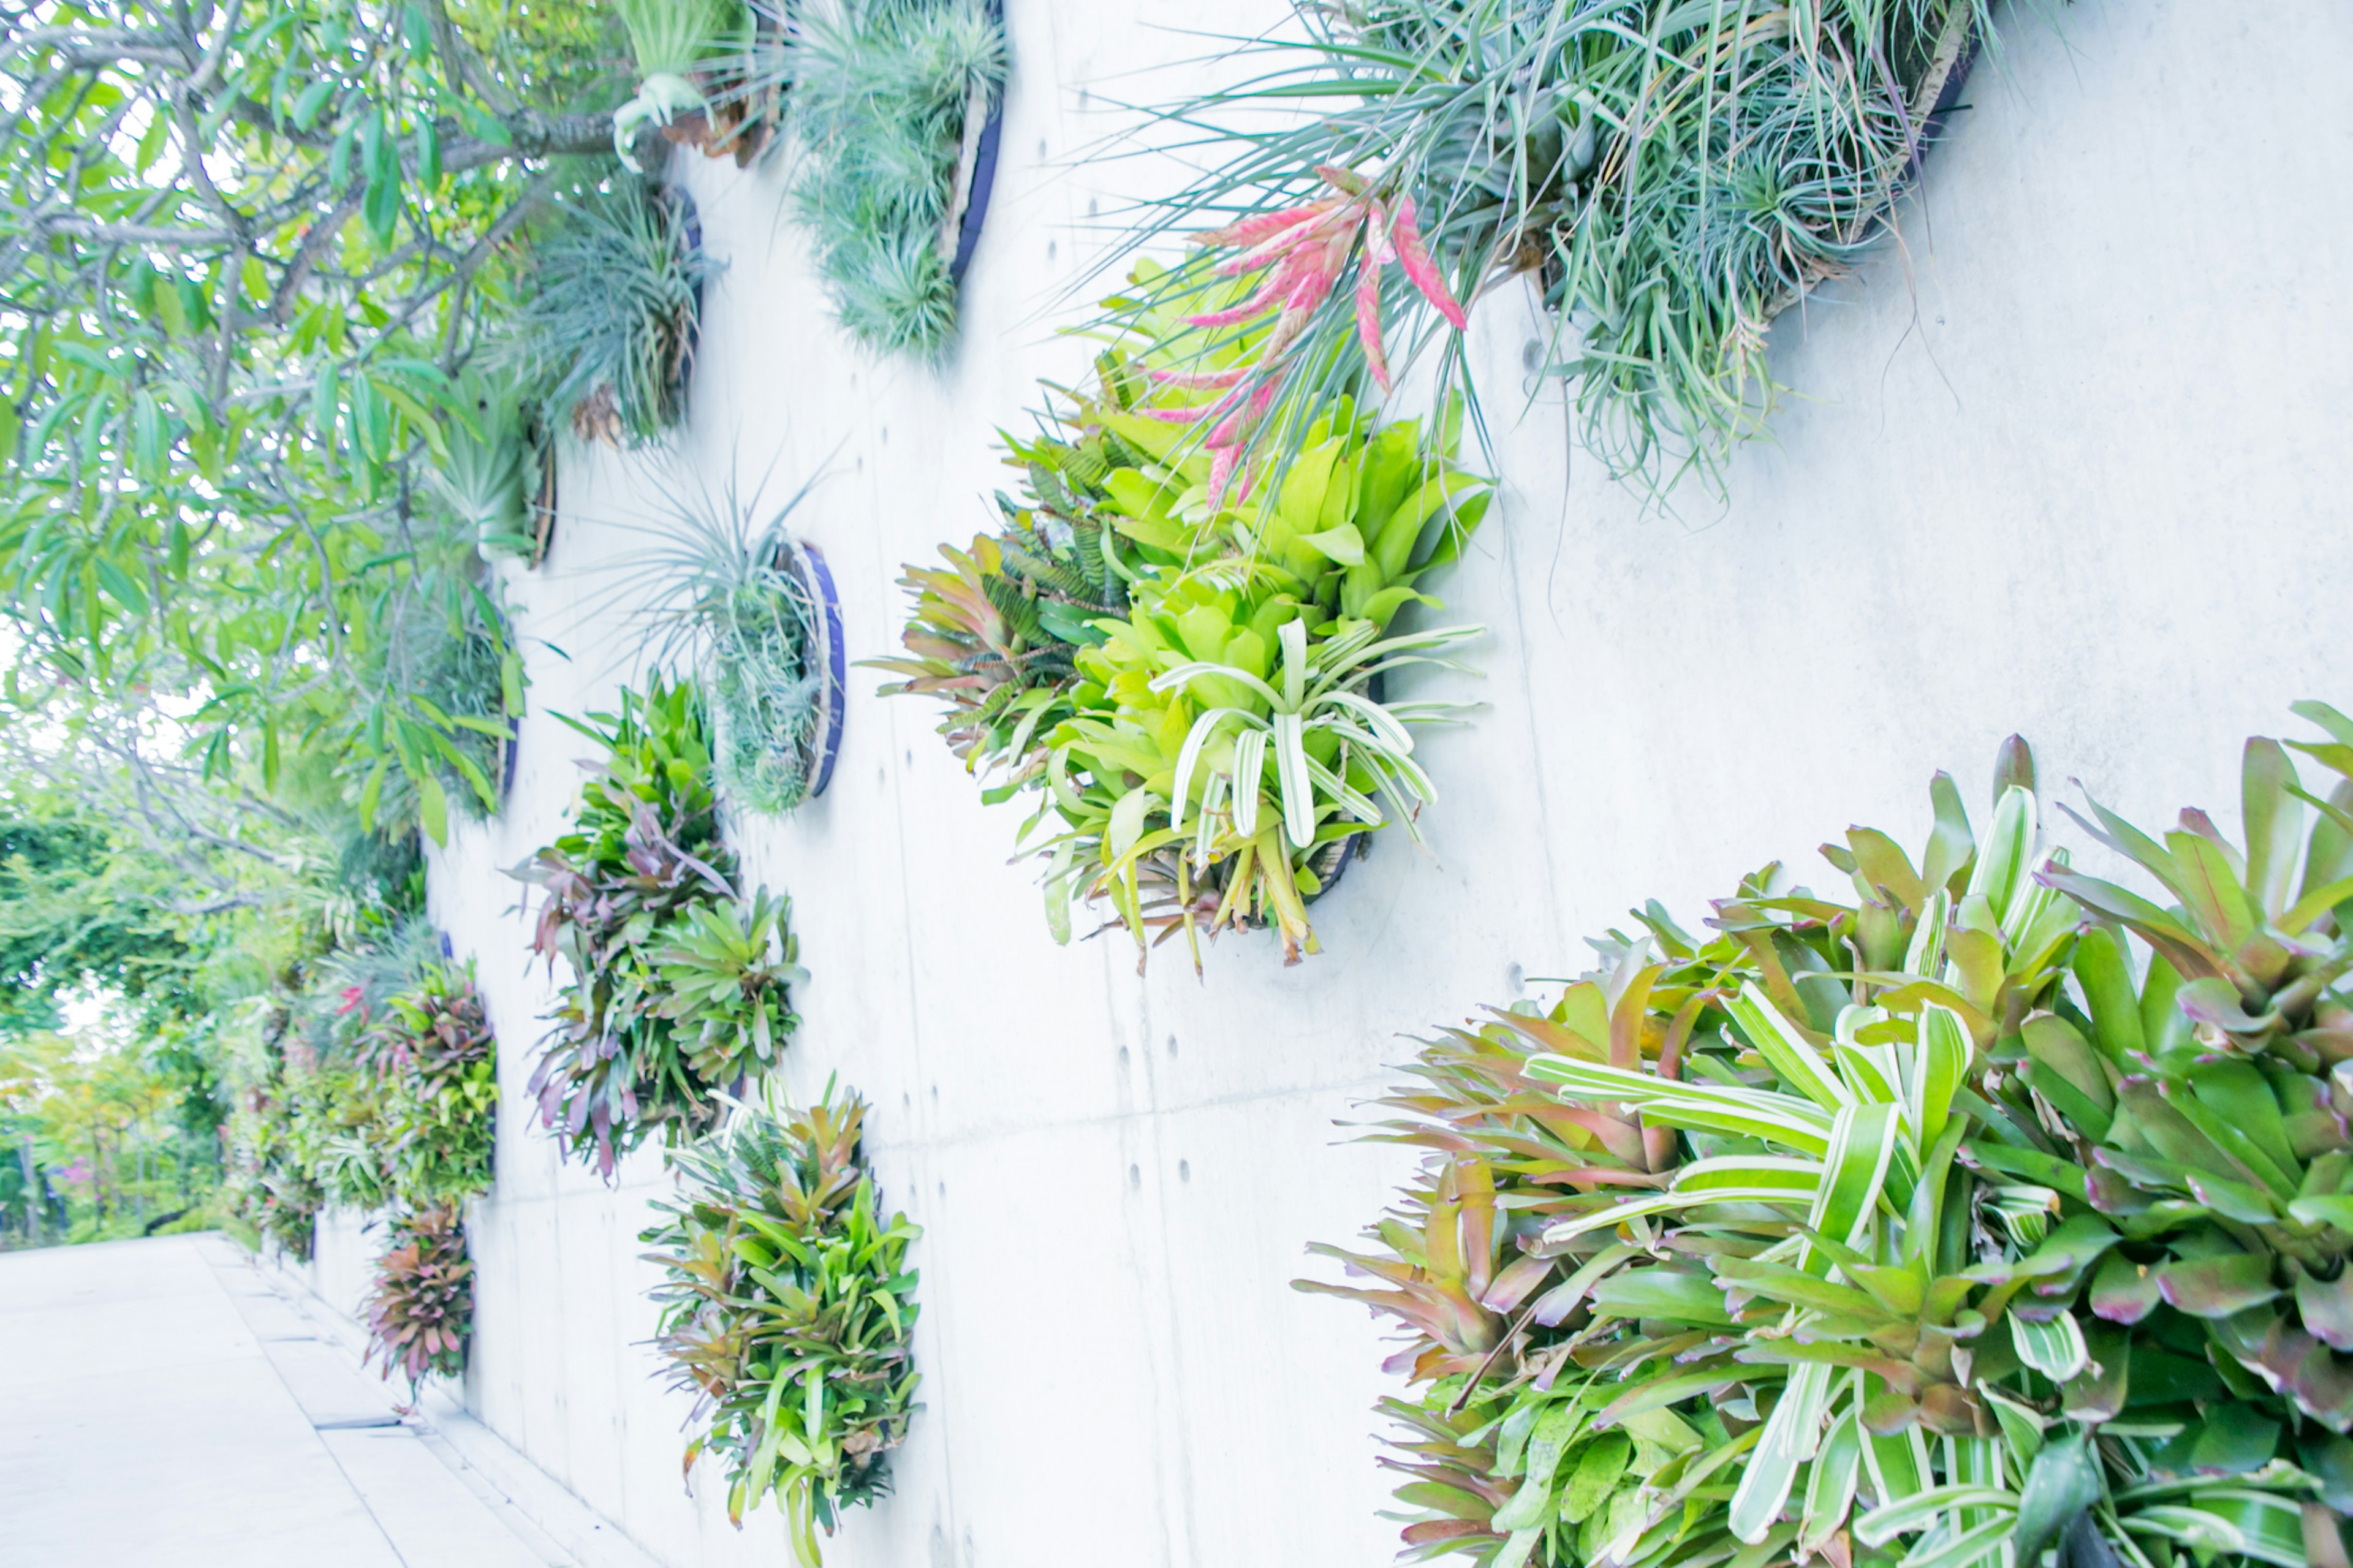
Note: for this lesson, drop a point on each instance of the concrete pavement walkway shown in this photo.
(162, 1404)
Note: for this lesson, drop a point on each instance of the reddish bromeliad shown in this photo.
(1303, 251)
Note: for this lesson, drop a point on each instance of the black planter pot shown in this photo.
(690, 227)
(1941, 91)
(542, 495)
(508, 757)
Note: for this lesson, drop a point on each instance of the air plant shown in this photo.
(1833, 1189)
(730, 602)
(605, 333)
(788, 1313)
(1188, 676)
(1672, 176)
(1295, 257)
(890, 97)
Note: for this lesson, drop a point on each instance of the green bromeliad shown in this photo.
(1187, 674)
(788, 1313)
(1992, 1210)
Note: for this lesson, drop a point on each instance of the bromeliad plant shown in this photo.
(1189, 674)
(788, 1313)
(482, 474)
(679, 989)
(438, 1062)
(1913, 1228)
(1672, 176)
(420, 1311)
(890, 101)
(427, 1147)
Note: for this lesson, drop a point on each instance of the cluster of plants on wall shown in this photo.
(420, 1309)
(679, 989)
(740, 602)
(605, 338)
(377, 1089)
(889, 101)
(1185, 672)
(302, 1130)
(435, 1062)
(787, 1311)
(1989, 1209)
(1671, 176)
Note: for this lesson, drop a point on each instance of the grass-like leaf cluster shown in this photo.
(888, 97)
(1186, 676)
(1673, 175)
(731, 601)
(604, 336)
(788, 1312)
(678, 988)
(1984, 1210)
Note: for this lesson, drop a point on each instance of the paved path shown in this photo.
(162, 1404)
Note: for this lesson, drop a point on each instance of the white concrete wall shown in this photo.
(2072, 462)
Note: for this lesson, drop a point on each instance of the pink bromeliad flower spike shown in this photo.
(1368, 293)
(1418, 266)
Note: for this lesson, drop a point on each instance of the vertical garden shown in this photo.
(643, 671)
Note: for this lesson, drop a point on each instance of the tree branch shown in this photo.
(535, 135)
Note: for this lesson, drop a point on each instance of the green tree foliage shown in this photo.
(245, 250)
(65, 924)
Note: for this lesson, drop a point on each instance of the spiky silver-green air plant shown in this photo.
(730, 602)
(1671, 176)
(606, 329)
(885, 98)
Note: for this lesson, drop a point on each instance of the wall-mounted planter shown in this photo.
(897, 110)
(688, 220)
(806, 563)
(1591, 134)
(605, 335)
(975, 169)
(2020, 1021)
(1199, 747)
(776, 1211)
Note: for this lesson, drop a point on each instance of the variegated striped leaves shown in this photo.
(1849, 1145)
(1906, 1088)
(1320, 689)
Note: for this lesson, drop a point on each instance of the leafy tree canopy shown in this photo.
(251, 253)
